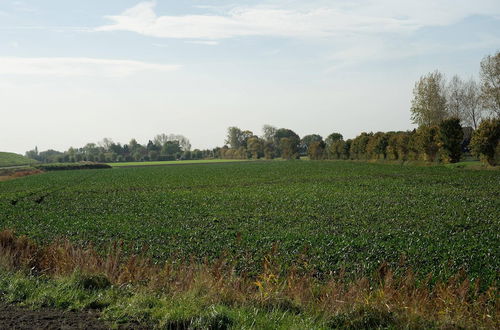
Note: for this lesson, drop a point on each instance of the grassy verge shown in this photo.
(134, 290)
(177, 162)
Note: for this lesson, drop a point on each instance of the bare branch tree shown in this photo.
(490, 83)
(472, 104)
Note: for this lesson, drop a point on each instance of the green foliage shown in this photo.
(255, 147)
(428, 106)
(337, 150)
(12, 159)
(334, 137)
(307, 140)
(337, 214)
(450, 140)
(427, 142)
(377, 145)
(485, 141)
(316, 150)
(132, 306)
(359, 146)
(289, 148)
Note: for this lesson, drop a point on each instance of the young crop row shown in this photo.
(325, 216)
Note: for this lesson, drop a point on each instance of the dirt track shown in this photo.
(13, 317)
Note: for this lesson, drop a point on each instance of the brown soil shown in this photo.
(20, 174)
(14, 317)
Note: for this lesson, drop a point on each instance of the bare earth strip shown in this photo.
(14, 317)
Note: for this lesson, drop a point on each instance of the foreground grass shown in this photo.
(177, 162)
(134, 290)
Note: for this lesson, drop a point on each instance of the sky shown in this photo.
(73, 72)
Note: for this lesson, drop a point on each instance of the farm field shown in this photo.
(325, 215)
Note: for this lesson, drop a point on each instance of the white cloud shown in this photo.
(370, 50)
(312, 19)
(203, 42)
(77, 66)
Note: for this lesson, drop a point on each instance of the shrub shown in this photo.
(450, 140)
(484, 143)
(427, 139)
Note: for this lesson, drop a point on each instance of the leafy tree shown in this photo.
(151, 146)
(427, 138)
(485, 141)
(333, 137)
(292, 143)
(392, 146)
(346, 153)
(308, 140)
(359, 144)
(336, 149)
(133, 145)
(234, 137)
(116, 148)
(428, 106)
(403, 145)
(377, 145)
(269, 149)
(170, 148)
(289, 148)
(160, 140)
(245, 135)
(450, 140)
(183, 141)
(154, 155)
(255, 147)
(490, 83)
(90, 149)
(316, 150)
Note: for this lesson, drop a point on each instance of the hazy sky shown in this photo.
(73, 72)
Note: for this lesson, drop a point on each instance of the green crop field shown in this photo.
(329, 215)
(12, 159)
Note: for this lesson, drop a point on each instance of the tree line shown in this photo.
(161, 148)
(453, 117)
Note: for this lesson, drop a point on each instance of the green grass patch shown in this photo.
(12, 159)
(132, 305)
